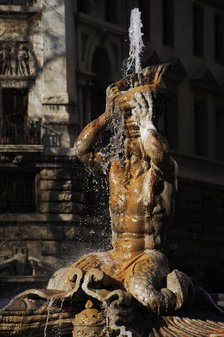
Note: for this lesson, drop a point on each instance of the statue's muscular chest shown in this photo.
(126, 192)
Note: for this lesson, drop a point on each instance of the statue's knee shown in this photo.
(181, 284)
(169, 301)
(161, 302)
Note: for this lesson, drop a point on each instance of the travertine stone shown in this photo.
(19, 30)
(35, 232)
(50, 232)
(61, 196)
(49, 248)
(54, 25)
(56, 185)
(62, 174)
(57, 98)
(58, 115)
(61, 207)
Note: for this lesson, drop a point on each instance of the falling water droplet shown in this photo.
(60, 317)
(50, 303)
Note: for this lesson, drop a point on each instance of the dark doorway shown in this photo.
(102, 69)
(97, 193)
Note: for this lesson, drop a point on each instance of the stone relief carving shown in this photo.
(15, 59)
(23, 61)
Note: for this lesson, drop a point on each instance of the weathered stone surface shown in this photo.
(54, 72)
(58, 117)
(58, 185)
(59, 98)
(61, 207)
(48, 232)
(17, 31)
(60, 196)
(55, 174)
(21, 148)
(49, 248)
(41, 232)
(69, 174)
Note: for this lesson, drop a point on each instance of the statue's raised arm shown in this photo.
(154, 144)
(89, 136)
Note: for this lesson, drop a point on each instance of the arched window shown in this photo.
(111, 11)
(102, 69)
(96, 193)
(83, 6)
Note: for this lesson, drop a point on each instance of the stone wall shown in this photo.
(61, 191)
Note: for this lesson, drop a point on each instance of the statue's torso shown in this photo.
(140, 207)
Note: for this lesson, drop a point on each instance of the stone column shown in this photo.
(55, 97)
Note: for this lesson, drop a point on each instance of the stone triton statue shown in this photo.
(142, 188)
(122, 292)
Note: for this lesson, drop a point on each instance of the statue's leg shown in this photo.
(146, 281)
(151, 283)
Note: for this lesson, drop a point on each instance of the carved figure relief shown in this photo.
(23, 61)
(15, 59)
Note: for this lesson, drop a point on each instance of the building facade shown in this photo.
(56, 59)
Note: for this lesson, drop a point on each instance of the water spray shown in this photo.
(136, 42)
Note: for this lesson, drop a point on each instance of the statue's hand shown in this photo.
(112, 93)
(142, 110)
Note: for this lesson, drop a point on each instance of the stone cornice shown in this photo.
(176, 70)
(33, 218)
(151, 58)
(11, 11)
(23, 279)
(21, 148)
(16, 81)
(100, 24)
(219, 4)
(200, 169)
(61, 98)
(203, 78)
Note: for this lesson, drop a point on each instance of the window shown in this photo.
(17, 192)
(14, 115)
(198, 30)
(83, 6)
(220, 133)
(201, 127)
(168, 22)
(144, 6)
(102, 69)
(14, 105)
(219, 38)
(111, 11)
(171, 121)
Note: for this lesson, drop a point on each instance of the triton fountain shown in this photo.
(129, 290)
